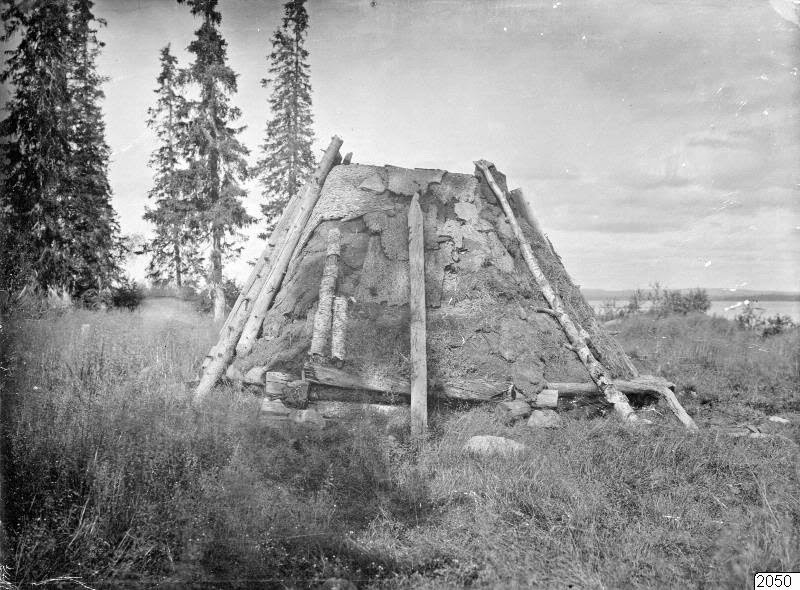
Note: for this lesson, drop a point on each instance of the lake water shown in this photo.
(767, 308)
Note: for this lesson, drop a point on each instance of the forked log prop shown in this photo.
(416, 303)
(596, 370)
(322, 318)
(224, 351)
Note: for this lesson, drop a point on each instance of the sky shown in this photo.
(655, 140)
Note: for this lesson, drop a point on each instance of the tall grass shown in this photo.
(111, 476)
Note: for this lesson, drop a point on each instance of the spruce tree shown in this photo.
(216, 157)
(174, 255)
(34, 145)
(58, 226)
(96, 246)
(287, 158)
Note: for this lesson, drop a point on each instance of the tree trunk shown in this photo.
(176, 256)
(224, 351)
(216, 276)
(416, 303)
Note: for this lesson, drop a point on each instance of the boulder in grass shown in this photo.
(544, 419)
(484, 446)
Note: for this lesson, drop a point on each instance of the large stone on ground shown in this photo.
(485, 446)
(544, 419)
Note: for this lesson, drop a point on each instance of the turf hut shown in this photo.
(409, 285)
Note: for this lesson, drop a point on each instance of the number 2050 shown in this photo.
(777, 580)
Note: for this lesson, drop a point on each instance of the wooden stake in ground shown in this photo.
(322, 319)
(224, 351)
(597, 372)
(416, 301)
(339, 329)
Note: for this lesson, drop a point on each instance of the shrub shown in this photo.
(128, 295)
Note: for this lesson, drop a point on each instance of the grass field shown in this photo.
(113, 479)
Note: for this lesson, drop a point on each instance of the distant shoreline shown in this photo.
(713, 294)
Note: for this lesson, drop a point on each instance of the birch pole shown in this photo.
(596, 371)
(311, 192)
(416, 301)
(330, 271)
(223, 352)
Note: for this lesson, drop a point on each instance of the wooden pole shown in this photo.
(224, 351)
(339, 329)
(416, 302)
(322, 319)
(596, 370)
(311, 192)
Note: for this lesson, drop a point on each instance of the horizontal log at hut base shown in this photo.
(475, 391)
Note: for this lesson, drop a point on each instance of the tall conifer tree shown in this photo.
(216, 157)
(174, 255)
(34, 144)
(96, 246)
(58, 226)
(287, 158)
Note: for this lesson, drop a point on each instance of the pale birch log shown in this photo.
(225, 349)
(596, 371)
(416, 301)
(327, 286)
(311, 192)
(339, 329)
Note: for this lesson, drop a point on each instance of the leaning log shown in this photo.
(311, 192)
(327, 286)
(225, 349)
(259, 274)
(597, 372)
(416, 304)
